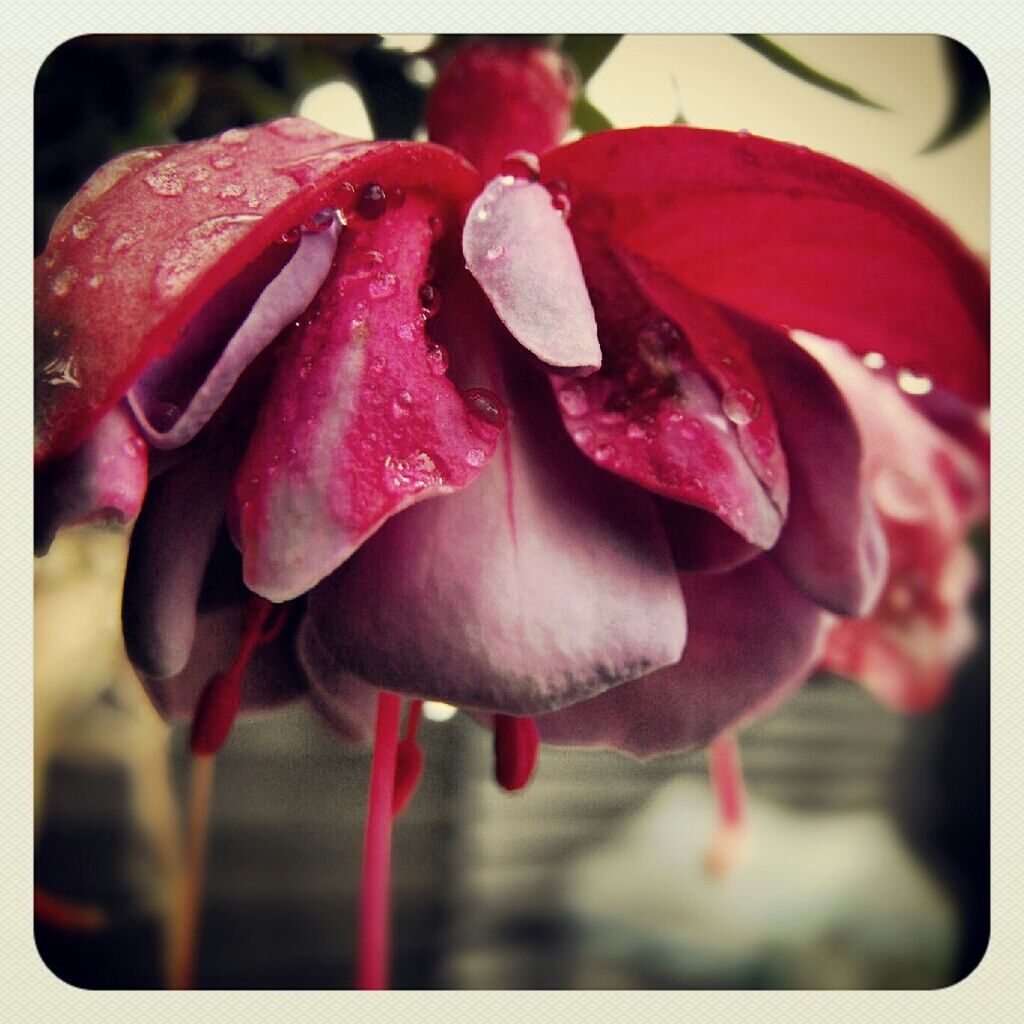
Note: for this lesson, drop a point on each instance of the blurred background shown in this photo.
(866, 864)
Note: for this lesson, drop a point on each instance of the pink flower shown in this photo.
(682, 498)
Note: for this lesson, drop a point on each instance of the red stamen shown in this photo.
(374, 904)
(515, 750)
(409, 761)
(60, 913)
(221, 698)
(727, 780)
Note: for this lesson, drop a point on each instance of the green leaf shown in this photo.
(970, 94)
(588, 118)
(785, 60)
(589, 52)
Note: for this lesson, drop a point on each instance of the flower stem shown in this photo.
(374, 905)
(183, 956)
(727, 780)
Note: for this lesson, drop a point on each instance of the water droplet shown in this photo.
(408, 332)
(430, 299)
(689, 427)
(232, 191)
(476, 457)
(234, 137)
(559, 191)
(163, 415)
(222, 163)
(912, 383)
(437, 360)
(297, 129)
(305, 367)
(743, 133)
(521, 164)
(402, 404)
(95, 281)
(124, 241)
(573, 400)
(198, 174)
(383, 284)
(291, 236)
(322, 220)
(495, 252)
(583, 435)
(63, 281)
(485, 406)
(604, 453)
(372, 202)
(84, 228)
(635, 431)
(364, 261)
(436, 226)
(874, 360)
(484, 213)
(507, 179)
(50, 260)
(165, 181)
(379, 363)
(740, 406)
(61, 372)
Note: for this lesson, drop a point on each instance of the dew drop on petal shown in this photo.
(430, 299)
(521, 164)
(84, 227)
(484, 406)
(232, 191)
(912, 383)
(740, 406)
(604, 453)
(379, 363)
(437, 360)
(476, 457)
(573, 400)
(495, 252)
(401, 404)
(383, 284)
(583, 436)
(372, 202)
(559, 192)
(165, 181)
(63, 281)
(874, 360)
(321, 220)
(234, 137)
(222, 163)
(163, 415)
(124, 241)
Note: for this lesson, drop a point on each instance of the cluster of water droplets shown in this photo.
(907, 380)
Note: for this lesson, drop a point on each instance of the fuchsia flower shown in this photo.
(653, 505)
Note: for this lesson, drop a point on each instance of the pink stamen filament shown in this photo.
(374, 905)
(409, 760)
(727, 777)
(515, 751)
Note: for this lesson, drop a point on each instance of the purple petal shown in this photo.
(520, 251)
(544, 582)
(170, 547)
(753, 639)
(176, 396)
(104, 480)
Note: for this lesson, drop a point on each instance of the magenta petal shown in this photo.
(520, 251)
(832, 546)
(104, 480)
(753, 639)
(789, 237)
(358, 422)
(344, 701)
(170, 547)
(271, 677)
(544, 582)
(157, 392)
(678, 406)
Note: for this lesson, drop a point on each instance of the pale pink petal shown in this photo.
(520, 251)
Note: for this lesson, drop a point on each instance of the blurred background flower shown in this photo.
(866, 864)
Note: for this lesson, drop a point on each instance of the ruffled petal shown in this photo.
(928, 491)
(360, 420)
(789, 237)
(678, 406)
(170, 548)
(521, 253)
(544, 582)
(155, 234)
(753, 639)
(105, 480)
(832, 546)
